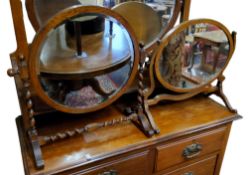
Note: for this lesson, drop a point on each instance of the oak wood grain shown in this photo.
(203, 167)
(210, 142)
(175, 120)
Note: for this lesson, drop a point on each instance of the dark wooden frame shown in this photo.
(182, 94)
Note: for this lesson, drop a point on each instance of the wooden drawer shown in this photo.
(203, 167)
(189, 148)
(138, 164)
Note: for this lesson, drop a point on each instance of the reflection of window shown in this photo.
(88, 2)
(164, 8)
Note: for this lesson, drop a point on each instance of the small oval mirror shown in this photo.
(85, 62)
(193, 55)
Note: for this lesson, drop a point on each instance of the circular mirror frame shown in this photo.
(174, 32)
(56, 21)
(175, 14)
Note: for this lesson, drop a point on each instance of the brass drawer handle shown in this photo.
(110, 172)
(189, 173)
(192, 150)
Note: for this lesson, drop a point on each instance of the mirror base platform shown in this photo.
(79, 125)
(206, 91)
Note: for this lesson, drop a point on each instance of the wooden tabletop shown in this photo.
(100, 52)
(217, 36)
(174, 120)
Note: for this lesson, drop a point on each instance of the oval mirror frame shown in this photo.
(56, 21)
(167, 38)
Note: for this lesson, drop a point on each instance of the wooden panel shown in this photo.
(210, 141)
(203, 167)
(137, 164)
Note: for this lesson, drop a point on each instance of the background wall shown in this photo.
(231, 13)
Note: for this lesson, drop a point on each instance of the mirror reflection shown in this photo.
(148, 18)
(194, 56)
(85, 61)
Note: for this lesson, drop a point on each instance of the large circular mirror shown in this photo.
(193, 55)
(83, 59)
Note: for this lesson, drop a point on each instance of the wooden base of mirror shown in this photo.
(207, 91)
(219, 92)
(76, 126)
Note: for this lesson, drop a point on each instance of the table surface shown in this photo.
(174, 120)
(101, 52)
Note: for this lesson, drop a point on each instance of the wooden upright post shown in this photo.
(185, 10)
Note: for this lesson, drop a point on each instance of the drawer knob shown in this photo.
(110, 172)
(12, 72)
(192, 150)
(189, 173)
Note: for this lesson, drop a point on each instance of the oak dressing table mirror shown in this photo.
(191, 60)
(84, 56)
(88, 55)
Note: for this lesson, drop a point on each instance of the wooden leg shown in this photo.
(192, 56)
(218, 90)
(36, 149)
(221, 94)
(144, 124)
(144, 116)
(78, 38)
(150, 118)
(216, 58)
(111, 28)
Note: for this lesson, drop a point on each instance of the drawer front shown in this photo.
(203, 167)
(189, 148)
(138, 164)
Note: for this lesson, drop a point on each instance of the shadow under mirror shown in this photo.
(194, 56)
(85, 61)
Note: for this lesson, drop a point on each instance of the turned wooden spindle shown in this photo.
(44, 140)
